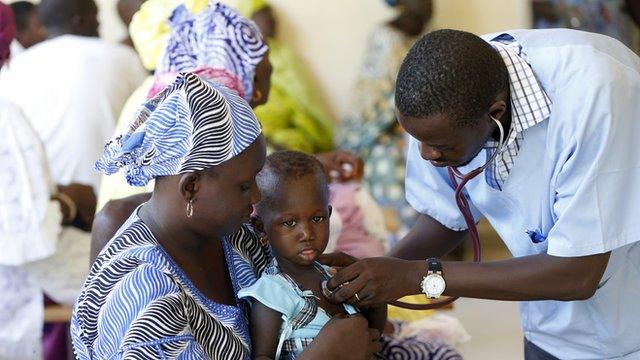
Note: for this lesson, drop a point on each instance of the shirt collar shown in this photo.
(530, 104)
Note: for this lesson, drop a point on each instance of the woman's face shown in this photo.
(225, 195)
(261, 82)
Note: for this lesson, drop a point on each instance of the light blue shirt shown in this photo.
(278, 292)
(575, 181)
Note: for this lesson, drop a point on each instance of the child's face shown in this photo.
(297, 225)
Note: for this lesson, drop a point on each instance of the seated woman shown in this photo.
(165, 286)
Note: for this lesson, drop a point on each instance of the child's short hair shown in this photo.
(282, 166)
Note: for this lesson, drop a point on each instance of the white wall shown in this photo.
(330, 35)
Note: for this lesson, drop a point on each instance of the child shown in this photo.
(293, 214)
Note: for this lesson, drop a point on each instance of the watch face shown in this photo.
(434, 285)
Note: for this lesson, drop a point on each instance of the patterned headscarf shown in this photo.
(7, 32)
(218, 44)
(150, 29)
(192, 125)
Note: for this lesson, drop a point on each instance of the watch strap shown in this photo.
(434, 265)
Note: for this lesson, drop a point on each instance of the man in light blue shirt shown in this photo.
(562, 188)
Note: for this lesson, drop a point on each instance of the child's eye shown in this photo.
(289, 223)
(318, 219)
(245, 188)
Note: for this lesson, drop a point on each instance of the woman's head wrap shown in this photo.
(218, 44)
(192, 125)
(7, 32)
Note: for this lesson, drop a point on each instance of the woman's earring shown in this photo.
(263, 239)
(190, 208)
(257, 95)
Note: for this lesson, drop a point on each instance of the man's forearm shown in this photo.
(537, 277)
(439, 241)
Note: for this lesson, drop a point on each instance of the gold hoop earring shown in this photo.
(190, 208)
(257, 95)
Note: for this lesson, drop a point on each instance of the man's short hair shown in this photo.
(59, 13)
(450, 72)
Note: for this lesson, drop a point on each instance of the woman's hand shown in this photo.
(341, 166)
(344, 337)
(376, 281)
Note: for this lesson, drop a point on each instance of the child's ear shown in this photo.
(257, 224)
(330, 210)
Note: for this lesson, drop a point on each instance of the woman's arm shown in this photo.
(265, 327)
(376, 316)
(344, 338)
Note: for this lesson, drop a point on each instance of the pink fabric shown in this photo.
(218, 76)
(354, 239)
(7, 32)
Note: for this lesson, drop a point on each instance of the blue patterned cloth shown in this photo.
(137, 303)
(217, 43)
(190, 126)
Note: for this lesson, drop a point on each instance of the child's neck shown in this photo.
(297, 271)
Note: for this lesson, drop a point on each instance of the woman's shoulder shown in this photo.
(248, 245)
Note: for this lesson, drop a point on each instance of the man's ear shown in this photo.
(189, 185)
(497, 110)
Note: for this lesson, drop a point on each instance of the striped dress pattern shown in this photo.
(138, 304)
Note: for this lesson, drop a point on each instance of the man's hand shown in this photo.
(337, 259)
(376, 281)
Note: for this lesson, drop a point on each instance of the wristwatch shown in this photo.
(433, 284)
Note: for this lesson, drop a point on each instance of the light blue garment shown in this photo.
(575, 181)
(276, 292)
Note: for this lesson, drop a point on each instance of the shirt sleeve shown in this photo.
(596, 187)
(429, 191)
(273, 292)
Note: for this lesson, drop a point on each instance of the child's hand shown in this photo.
(342, 166)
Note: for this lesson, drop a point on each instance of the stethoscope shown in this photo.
(458, 182)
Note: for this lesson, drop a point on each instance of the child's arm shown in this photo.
(265, 327)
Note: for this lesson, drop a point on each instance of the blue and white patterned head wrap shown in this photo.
(217, 43)
(191, 125)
